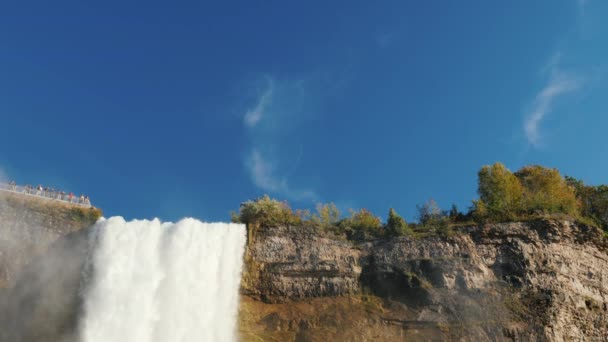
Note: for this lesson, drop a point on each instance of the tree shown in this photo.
(547, 192)
(327, 215)
(429, 213)
(500, 194)
(593, 201)
(362, 224)
(455, 215)
(267, 212)
(395, 224)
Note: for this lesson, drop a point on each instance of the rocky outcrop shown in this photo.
(286, 263)
(42, 252)
(29, 225)
(558, 270)
(543, 280)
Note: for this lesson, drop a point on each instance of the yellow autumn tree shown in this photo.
(547, 192)
(500, 194)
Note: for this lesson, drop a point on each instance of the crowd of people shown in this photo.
(50, 193)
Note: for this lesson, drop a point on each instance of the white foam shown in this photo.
(163, 282)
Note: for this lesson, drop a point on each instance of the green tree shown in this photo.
(266, 211)
(395, 224)
(327, 215)
(593, 201)
(455, 215)
(362, 224)
(500, 194)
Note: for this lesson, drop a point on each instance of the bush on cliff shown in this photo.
(430, 213)
(530, 192)
(593, 201)
(500, 194)
(361, 225)
(432, 220)
(396, 225)
(86, 215)
(547, 192)
(327, 216)
(266, 211)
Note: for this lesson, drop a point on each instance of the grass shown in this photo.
(57, 210)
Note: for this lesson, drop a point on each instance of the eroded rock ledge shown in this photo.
(542, 280)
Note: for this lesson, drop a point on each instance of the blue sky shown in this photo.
(188, 110)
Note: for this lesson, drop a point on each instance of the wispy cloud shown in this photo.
(559, 83)
(277, 110)
(263, 174)
(253, 116)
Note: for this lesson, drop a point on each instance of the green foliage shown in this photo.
(588, 221)
(456, 216)
(86, 215)
(327, 215)
(593, 201)
(547, 192)
(429, 213)
(361, 225)
(434, 221)
(266, 211)
(500, 194)
(395, 224)
(531, 192)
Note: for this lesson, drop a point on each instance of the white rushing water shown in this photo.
(163, 282)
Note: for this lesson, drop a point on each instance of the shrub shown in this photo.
(327, 215)
(361, 225)
(500, 194)
(429, 213)
(86, 215)
(456, 216)
(266, 211)
(530, 192)
(593, 201)
(547, 192)
(395, 224)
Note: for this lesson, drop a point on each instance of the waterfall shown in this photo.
(163, 282)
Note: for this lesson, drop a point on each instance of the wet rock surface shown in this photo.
(542, 280)
(28, 226)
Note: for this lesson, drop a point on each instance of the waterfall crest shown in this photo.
(157, 282)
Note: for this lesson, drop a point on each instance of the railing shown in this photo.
(52, 195)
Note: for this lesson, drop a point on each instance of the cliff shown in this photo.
(29, 225)
(544, 280)
(534, 281)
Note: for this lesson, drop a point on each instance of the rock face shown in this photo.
(544, 280)
(294, 263)
(43, 248)
(29, 225)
